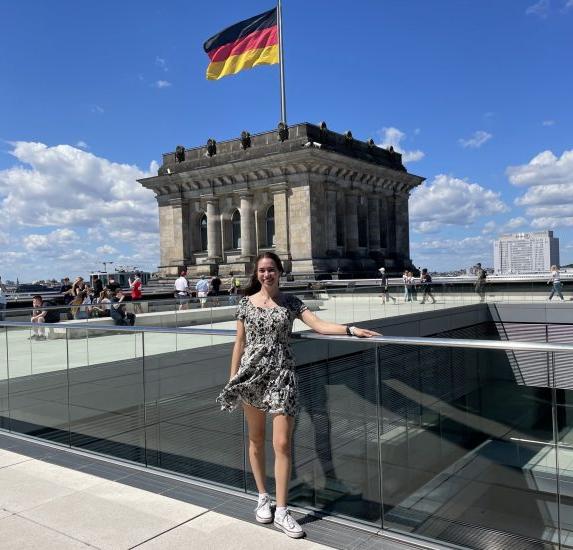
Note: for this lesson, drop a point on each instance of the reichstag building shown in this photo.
(323, 201)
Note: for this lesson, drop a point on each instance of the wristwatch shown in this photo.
(350, 331)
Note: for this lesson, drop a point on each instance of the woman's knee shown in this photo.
(257, 440)
(282, 445)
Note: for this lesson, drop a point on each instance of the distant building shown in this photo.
(525, 252)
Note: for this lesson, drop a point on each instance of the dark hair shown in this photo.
(424, 270)
(254, 285)
(37, 297)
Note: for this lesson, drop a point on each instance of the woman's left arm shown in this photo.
(325, 327)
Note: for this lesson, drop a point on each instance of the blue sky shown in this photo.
(477, 94)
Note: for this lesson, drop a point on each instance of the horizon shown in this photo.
(475, 97)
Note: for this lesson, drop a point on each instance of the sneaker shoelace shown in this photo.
(289, 520)
(262, 502)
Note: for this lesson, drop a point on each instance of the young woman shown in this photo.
(263, 378)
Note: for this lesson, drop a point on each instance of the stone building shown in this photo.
(321, 200)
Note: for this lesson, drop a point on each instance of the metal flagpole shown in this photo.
(282, 64)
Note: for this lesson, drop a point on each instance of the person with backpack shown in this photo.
(426, 282)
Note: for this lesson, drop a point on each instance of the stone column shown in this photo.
(331, 218)
(280, 201)
(351, 221)
(383, 225)
(391, 206)
(373, 223)
(402, 226)
(248, 245)
(214, 252)
(180, 245)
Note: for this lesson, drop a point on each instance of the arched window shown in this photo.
(270, 225)
(236, 229)
(203, 231)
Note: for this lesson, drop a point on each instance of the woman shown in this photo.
(81, 306)
(263, 378)
(555, 280)
(102, 304)
(407, 286)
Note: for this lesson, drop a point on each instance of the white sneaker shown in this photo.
(289, 525)
(263, 513)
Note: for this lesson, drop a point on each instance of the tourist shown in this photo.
(263, 378)
(135, 285)
(102, 304)
(65, 291)
(42, 312)
(407, 286)
(426, 282)
(480, 282)
(81, 305)
(202, 288)
(555, 280)
(385, 287)
(78, 286)
(215, 285)
(3, 300)
(234, 287)
(118, 313)
(112, 285)
(182, 290)
(97, 285)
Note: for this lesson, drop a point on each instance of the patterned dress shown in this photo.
(266, 378)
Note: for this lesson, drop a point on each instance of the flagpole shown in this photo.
(282, 64)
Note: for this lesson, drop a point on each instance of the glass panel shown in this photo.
(186, 431)
(462, 437)
(37, 364)
(4, 382)
(106, 392)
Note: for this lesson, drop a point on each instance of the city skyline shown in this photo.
(476, 97)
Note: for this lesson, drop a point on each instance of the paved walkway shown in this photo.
(53, 499)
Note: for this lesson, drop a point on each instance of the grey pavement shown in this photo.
(53, 498)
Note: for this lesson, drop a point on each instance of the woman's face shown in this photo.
(267, 273)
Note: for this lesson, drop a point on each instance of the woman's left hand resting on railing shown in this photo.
(325, 327)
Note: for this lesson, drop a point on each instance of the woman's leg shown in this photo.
(256, 424)
(282, 441)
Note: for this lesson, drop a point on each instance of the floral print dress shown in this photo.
(266, 378)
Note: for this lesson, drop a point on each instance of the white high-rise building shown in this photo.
(525, 252)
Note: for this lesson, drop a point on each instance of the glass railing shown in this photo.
(466, 442)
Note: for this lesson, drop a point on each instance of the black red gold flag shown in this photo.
(244, 45)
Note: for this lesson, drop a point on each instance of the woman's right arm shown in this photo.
(238, 349)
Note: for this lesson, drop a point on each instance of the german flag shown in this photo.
(244, 45)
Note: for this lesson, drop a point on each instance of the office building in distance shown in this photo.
(525, 253)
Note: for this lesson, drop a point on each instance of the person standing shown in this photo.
(426, 282)
(202, 288)
(480, 282)
(263, 379)
(112, 284)
(97, 285)
(385, 286)
(555, 280)
(136, 294)
(407, 286)
(182, 290)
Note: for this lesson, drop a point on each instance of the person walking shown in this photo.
(263, 378)
(202, 288)
(407, 286)
(182, 290)
(555, 280)
(426, 282)
(385, 287)
(480, 282)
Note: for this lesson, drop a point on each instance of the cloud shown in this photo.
(477, 139)
(57, 196)
(162, 84)
(568, 4)
(452, 253)
(98, 110)
(447, 200)
(393, 137)
(549, 122)
(540, 9)
(82, 145)
(161, 63)
(106, 249)
(549, 196)
(514, 223)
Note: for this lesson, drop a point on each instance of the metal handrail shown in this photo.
(380, 340)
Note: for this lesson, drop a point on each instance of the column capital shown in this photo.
(244, 193)
(177, 202)
(278, 188)
(210, 199)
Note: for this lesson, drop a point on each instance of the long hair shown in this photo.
(254, 285)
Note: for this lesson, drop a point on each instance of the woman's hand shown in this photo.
(364, 333)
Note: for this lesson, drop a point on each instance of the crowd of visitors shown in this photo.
(203, 288)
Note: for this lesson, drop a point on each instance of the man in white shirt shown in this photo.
(182, 290)
(202, 288)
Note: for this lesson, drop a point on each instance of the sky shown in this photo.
(477, 95)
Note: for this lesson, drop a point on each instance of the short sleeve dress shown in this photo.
(266, 378)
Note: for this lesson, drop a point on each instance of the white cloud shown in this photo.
(477, 139)
(540, 9)
(489, 227)
(447, 200)
(393, 137)
(514, 223)
(569, 4)
(549, 197)
(549, 122)
(82, 145)
(76, 196)
(444, 254)
(97, 109)
(106, 249)
(161, 63)
(162, 84)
